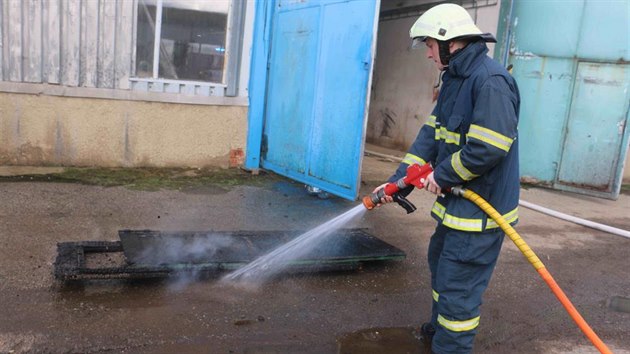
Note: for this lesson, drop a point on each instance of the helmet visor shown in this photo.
(418, 42)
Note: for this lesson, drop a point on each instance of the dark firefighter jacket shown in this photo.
(471, 140)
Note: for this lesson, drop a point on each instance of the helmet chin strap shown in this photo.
(445, 54)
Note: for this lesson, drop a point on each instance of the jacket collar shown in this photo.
(464, 61)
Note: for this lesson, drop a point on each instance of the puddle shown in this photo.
(619, 304)
(397, 340)
(288, 188)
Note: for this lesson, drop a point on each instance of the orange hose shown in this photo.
(538, 265)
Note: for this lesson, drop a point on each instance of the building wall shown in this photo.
(91, 44)
(52, 130)
(403, 79)
(69, 96)
(572, 89)
(402, 85)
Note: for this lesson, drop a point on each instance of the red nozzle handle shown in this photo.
(415, 176)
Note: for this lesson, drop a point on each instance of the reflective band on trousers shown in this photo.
(458, 326)
(464, 224)
(431, 121)
(439, 210)
(411, 159)
(510, 217)
(490, 137)
(436, 296)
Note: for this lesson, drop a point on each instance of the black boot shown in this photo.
(427, 331)
(425, 334)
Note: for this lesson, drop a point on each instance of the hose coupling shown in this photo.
(458, 191)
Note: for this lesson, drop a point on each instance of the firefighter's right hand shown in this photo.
(386, 199)
(432, 186)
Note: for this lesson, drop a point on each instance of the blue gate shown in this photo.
(314, 58)
(570, 60)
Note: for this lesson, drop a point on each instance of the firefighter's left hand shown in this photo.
(386, 199)
(432, 186)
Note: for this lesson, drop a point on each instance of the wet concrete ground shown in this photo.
(375, 307)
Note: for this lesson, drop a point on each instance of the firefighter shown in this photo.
(471, 140)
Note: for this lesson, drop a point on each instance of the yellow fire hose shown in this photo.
(536, 263)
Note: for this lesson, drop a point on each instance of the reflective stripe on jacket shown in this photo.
(471, 140)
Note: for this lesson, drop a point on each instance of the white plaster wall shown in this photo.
(50, 130)
(402, 87)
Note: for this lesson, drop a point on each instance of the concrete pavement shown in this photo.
(306, 313)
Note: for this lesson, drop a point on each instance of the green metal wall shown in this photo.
(570, 59)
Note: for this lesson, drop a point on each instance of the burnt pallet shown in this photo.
(71, 262)
(158, 254)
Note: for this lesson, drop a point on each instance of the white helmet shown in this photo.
(445, 22)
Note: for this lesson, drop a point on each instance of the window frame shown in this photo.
(234, 42)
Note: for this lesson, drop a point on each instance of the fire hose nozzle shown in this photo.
(371, 200)
(416, 176)
(367, 202)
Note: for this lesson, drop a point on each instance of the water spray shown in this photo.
(276, 261)
(416, 176)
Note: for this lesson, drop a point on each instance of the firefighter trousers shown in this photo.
(461, 265)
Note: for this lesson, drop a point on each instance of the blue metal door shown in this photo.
(573, 77)
(319, 69)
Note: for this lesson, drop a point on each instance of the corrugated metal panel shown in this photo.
(124, 26)
(85, 43)
(89, 44)
(13, 17)
(51, 52)
(32, 45)
(67, 42)
(107, 44)
(2, 46)
(70, 42)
